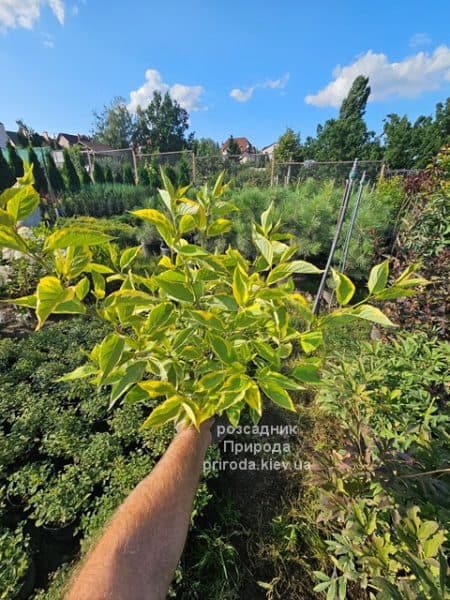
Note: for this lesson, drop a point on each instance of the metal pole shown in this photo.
(352, 223)
(344, 205)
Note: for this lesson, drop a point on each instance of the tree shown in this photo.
(7, 178)
(232, 147)
(162, 125)
(128, 176)
(15, 162)
(54, 176)
(40, 179)
(70, 173)
(114, 125)
(205, 147)
(108, 174)
(347, 137)
(398, 142)
(118, 176)
(98, 174)
(289, 147)
(143, 175)
(184, 175)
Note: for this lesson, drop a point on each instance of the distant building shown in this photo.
(67, 140)
(3, 136)
(270, 150)
(247, 149)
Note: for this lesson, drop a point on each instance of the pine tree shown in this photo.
(7, 178)
(118, 176)
(54, 176)
(184, 175)
(70, 173)
(288, 147)
(128, 174)
(15, 162)
(40, 179)
(99, 175)
(108, 175)
(144, 178)
(85, 177)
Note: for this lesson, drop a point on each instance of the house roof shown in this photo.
(13, 137)
(242, 142)
(84, 140)
(269, 146)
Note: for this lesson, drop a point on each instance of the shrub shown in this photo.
(14, 560)
(103, 200)
(70, 173)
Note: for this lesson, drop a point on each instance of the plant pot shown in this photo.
(16, 503)
(148, 249)
(28, 582)
(61, 533)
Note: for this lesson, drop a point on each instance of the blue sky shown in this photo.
(243, 68)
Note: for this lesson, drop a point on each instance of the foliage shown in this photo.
(162, 125)
(215, 307)
(289, 147)
(54, 176)
(384, 488)
(14, 560)
(15, 162)
(103, 200)
(127, 172)
(232, 147)
(113, 125)
(70, 173)
(108, 174)
(6, 176)
(40, 179)
(98, 173)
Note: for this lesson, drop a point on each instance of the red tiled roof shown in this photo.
(242, 142)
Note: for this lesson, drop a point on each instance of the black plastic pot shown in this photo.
(63, 533)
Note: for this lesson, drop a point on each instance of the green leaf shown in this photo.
(132, 374)
(191, 250)
(371, 313)
(110, 352)
(186, 224)
(159, 220)
(156, 388)
(253, 398)
(70, 307)
(311, 340)
(218, 227)
(280, 379)
(128, 256)
(6, 219)
(28, 301)
(165, 412)
(267, 218)
(264, 246)
(99, 285)
(82, 288)
(75, 236)
(23, 201)
(378, 277)
(79, 373)
(159, 316)
(240, 286)
(307, 373)
(286, 269)
(345, 288)
(175, 289)
(50, 293)
(222, 348)
(10, 239)
(212, 380)
(277, 394)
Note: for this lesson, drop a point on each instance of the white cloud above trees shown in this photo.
(25, 13)
(244, 94)
(188, 96)
(408, 78)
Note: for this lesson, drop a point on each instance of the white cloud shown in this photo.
(244, 94)
(419, 39)
(408, 78)
(188, 96)
(25, 13)
(48, 41)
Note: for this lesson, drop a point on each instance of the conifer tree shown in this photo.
(108, 174)
(128, 174)
(40, 179)
(54, 176)
(118, 176)
(70, 173)
(7, 179)
(15, 162)
(99, 176)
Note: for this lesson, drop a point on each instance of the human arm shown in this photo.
(137, 555)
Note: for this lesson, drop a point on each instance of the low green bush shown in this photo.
(103, 200)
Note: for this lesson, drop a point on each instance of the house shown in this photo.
(8, 136)
(66, 140)
(246, 148)
(270, 150)
(3, 136)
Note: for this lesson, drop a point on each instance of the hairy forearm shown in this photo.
(137, 555)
